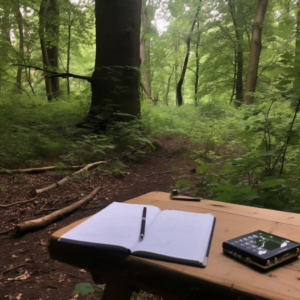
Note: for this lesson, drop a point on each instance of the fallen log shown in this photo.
(41, 169)
(65, 179)
(26, 226)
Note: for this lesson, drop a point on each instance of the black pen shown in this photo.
(143, 223)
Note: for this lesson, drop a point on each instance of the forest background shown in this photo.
(199, 79)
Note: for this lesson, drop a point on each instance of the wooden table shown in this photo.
(223, 277)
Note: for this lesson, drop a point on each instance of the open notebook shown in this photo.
(170, 235)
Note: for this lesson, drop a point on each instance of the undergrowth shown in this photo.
(248, 155)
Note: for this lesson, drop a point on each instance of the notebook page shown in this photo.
(178, 234)
(119, 224)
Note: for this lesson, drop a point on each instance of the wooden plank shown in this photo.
(242, 210)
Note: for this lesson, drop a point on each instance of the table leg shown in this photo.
(114, 291)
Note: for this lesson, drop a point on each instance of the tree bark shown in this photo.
(46, 62)
(68, 52)
(115, 81)
(255, 51)
(19, 19)
(52, 30)
(239, 54)
(197, 66)
(143, 53)
(297, 48)
(5, 28)
(186, 60)
(168, 87)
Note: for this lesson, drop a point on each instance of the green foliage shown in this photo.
(34, 130)
(267, 175)
(182, 182)
(84, 288)
(115, 168)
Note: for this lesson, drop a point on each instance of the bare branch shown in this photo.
(56, 74)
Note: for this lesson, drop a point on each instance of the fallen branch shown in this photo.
(87, 167)
(36, 170)
(158, 173)
(6, 231)
(15, 203)
(11, 269)
(26, 226)
(65, 179)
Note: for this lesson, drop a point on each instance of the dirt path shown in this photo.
(39, 277)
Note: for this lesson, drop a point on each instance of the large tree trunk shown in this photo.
(186, 60)
(255, 50)
(52, 29)
(115, 81)
(297, 48)
(239, 55)
(143, 52)
(46, 62)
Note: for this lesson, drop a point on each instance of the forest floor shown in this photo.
(36, 275)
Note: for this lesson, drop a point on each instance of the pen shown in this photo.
(143, 223)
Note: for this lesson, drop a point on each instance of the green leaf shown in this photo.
(226, 187)
(173, 10)
(182, 182)
(295, 140)
(84, 288)
(175, 168)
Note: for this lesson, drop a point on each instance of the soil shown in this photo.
(26, 270)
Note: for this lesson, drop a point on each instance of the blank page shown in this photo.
(178, 234)
(118, 224)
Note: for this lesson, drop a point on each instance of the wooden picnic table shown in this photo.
(223, 278)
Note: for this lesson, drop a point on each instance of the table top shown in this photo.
(222, 272)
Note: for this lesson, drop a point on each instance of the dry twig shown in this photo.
(65, 179)
(12, 268)
(15, 203)
(36, 170)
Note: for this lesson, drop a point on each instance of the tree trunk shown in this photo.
(186, 60)
(19, 19)
(115, 81)
(239, 59)
(143, 53)
(234, 79)
(255, 50)
(68, 52)
(297, 48)
(52, 29)
(197, 66)
(168, 87)
(5, 27)
(46, 62)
